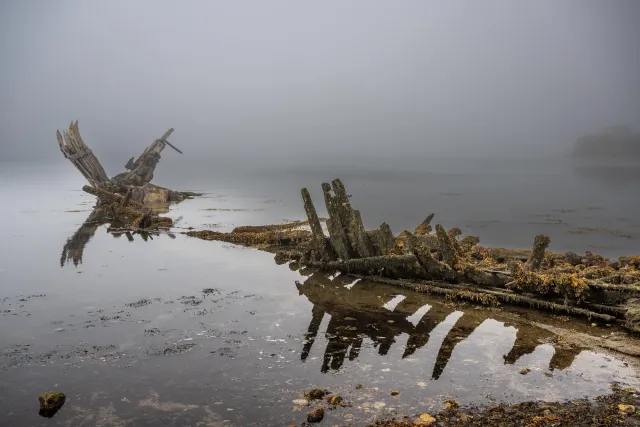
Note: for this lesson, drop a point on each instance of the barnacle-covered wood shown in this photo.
(540, 245)
(425, 227)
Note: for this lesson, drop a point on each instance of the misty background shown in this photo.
(282, 80)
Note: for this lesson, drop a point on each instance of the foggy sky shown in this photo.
(290, 78)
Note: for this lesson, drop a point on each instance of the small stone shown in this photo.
(525, 371)
(379, 405)
(50, 403)
(394, 392)
(359, 387)
(334, 400)
(316, 415)
(594, 324)
(626, 409)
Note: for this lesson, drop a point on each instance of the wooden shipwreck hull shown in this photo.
(127, 200)
(442, 262)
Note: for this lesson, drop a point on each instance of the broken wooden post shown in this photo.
(141, 171)
(339, 240)
(74, 149)
(351, 222)
(425, 227)
(319, 239)
(382, 240)
(312, 216)
(450, 254)
(540, 244)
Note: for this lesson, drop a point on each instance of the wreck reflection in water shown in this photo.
(73, 249)
(382, 314)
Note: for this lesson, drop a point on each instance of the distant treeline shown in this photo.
(615, 141)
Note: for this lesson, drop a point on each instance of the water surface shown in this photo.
(169, 330)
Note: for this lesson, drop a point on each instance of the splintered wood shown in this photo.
(74, 149)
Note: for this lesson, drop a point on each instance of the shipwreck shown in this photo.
(128, 200)
(434, 260)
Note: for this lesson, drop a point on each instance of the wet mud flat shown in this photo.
(224, 356)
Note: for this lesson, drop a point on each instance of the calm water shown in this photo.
(131, 338)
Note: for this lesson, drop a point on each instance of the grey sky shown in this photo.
(252, 78)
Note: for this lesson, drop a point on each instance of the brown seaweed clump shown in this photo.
(261, 239)
(618, 408)
(568, 285)
(316, 394)
(527, 281)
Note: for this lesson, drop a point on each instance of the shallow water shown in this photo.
(123, 327)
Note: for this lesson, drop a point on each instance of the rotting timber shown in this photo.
(128, 201)
(443, 263)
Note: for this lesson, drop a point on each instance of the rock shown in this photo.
(335, 400)
(525, 371)
(50, 403)
(359, 387)
(626, 409)
(395, 392)
(316, 415)
(316, 394)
